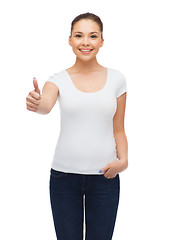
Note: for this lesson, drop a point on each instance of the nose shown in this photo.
(85, 41)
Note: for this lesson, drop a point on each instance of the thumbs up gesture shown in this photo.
(34, 97)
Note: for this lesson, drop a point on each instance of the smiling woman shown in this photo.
(86, 37)
(92, 104)
(85, 50)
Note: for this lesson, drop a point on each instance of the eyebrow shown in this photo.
(90, 32)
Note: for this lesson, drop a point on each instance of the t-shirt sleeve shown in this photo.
(54, 79)
(122, 86)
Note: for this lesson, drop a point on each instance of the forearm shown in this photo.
(43, 107)
(121, 146)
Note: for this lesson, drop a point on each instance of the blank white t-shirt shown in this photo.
(86, 141)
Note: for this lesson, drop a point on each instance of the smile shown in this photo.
(86, 51)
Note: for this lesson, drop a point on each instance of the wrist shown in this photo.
(123, 163)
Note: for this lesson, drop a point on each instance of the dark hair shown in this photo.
(90, 16)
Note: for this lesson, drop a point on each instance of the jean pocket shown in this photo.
(110, 178)
(56, 174)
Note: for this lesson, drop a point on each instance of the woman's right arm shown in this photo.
(42, 103)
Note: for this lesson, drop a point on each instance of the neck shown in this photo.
(84, 66)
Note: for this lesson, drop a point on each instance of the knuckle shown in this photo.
(36, 95)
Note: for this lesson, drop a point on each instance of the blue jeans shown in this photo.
(101, 204)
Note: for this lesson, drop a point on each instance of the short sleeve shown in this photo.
(54, 79)
(122, 86)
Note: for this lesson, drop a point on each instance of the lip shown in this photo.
(85, 49)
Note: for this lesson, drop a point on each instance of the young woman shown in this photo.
(92, 101)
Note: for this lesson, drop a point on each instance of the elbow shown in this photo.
(126, 164)
(49, 109)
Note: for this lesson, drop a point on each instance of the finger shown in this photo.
(32, 100)
(35, 83)
(35, 95)
(105, 169)
(106, 176)
(32, 105)
(31, 109)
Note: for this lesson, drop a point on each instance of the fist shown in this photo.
(33, 98)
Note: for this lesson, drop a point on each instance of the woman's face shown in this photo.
(86, 35)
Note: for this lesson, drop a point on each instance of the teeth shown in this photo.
(85, 50)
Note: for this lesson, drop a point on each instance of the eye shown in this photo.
(94, 36)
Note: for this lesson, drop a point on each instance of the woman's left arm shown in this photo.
(121, 140)
(119, 130)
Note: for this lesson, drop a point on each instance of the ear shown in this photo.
(69, 40)
(102, 42)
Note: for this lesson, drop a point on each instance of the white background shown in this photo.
(34, 43)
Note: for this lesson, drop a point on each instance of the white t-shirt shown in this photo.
(86, 141)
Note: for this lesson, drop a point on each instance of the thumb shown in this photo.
(36, 85)
(104, 169)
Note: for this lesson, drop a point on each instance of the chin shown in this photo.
(82, 57)
(85, 59)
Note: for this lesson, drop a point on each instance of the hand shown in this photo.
(113, 168)
(34, 97)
